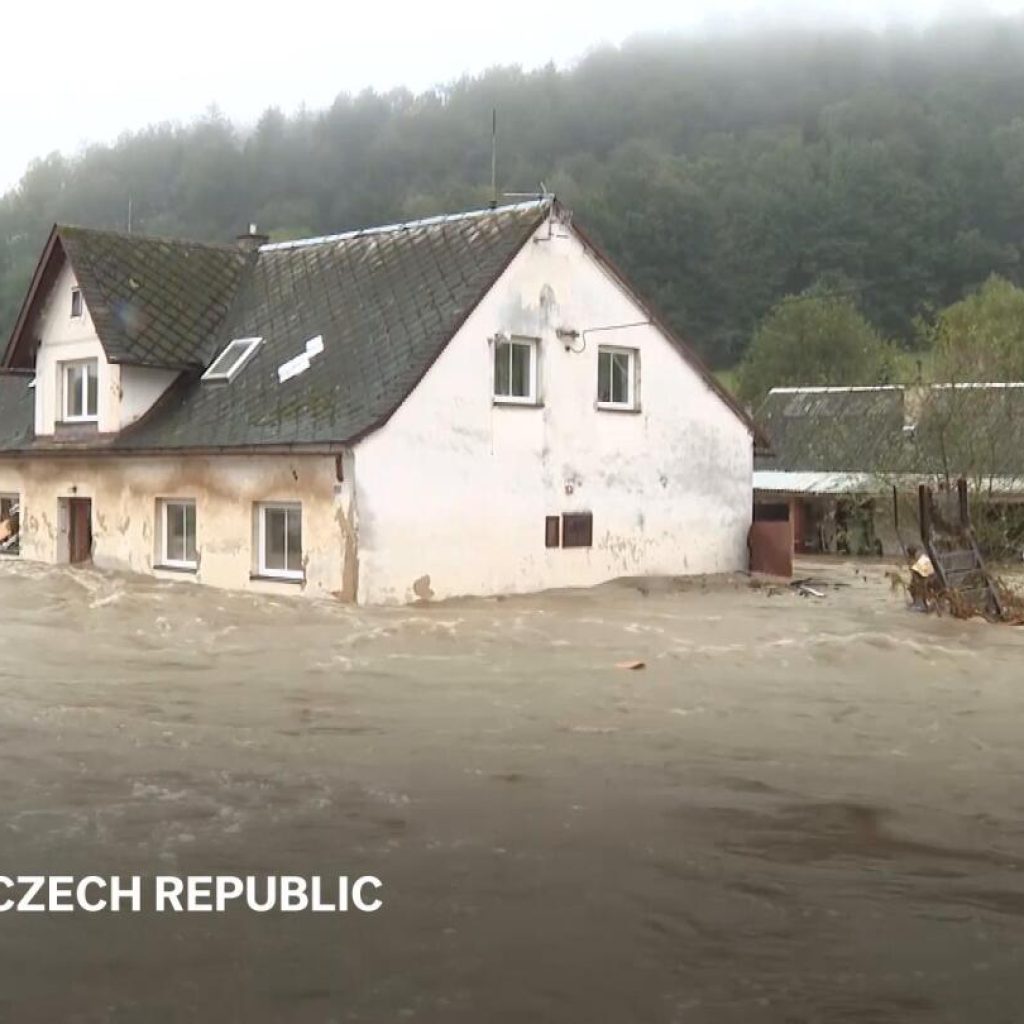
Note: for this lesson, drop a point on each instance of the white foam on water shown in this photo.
(148, 791)
(888, 641)
(639, 627)
(112, 598)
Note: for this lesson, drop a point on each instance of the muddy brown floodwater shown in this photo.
(802, 809)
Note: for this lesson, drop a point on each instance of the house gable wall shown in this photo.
(141, 388)
(454, 490)
(63, 338)
(125, 392)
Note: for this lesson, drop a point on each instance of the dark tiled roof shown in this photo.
(17, 409)
(155, 302)
(974, 432)
(385, 302)
(834, 430)
(971, 430)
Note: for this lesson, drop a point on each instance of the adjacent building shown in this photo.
(845, 462)
(472, 404)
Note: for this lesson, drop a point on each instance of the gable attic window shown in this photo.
(76, 303)
(235, 355)
(515, 370)
(616, 378)
(80, 387)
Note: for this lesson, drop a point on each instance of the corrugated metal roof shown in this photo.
(795, 482)
(787, 482)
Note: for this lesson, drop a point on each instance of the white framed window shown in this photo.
(515, 370)
(617, 378)
(279, 527)
(77, 305)
(80, 387)
(234, 356)
(176, 524)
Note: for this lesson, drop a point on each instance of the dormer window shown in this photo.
(232, 359)
(77, 306)
(80, 386)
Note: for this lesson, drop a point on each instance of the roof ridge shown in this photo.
(163, 239)
(836, 389)
(840, 389)
(967, 385)
(444, 218)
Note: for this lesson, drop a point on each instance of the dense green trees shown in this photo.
(723, 174)
(814, 339)
(981, 337)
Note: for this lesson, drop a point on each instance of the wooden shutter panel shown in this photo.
(552, 532)
(578, 530)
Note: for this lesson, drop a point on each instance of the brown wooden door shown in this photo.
(80, 530)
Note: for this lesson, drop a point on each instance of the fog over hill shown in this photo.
(722, 172)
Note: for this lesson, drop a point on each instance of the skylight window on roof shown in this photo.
(232, 359)
(301, 362)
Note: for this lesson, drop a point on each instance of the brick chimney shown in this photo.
(252, 239)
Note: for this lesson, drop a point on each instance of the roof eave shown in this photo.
(114, 451)
(28, 302)
(686, 350)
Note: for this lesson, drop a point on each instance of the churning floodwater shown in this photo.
(800, 809)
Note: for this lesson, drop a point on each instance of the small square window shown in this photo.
(77, 306)
(80, 385)
(176, 526)
(616, 378)
(515, 370)
(280, 541)
(552, 532)
(578, 530)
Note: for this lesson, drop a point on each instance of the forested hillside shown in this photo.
(723, 174)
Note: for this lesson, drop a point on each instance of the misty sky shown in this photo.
(72, 73)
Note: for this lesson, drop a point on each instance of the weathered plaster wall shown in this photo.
(125, 393)
(124, 494)
(453, 492)
(141, 386)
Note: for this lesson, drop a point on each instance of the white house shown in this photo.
(473, 404)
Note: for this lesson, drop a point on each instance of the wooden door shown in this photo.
(79, 530)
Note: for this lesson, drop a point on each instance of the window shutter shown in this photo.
(578, 530)
(552, 531)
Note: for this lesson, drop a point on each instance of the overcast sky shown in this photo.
(74, 73)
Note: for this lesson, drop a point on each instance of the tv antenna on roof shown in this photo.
(494, 158)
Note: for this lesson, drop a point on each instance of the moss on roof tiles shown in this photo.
(971, 430)
(385, 302)
(155, 302)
